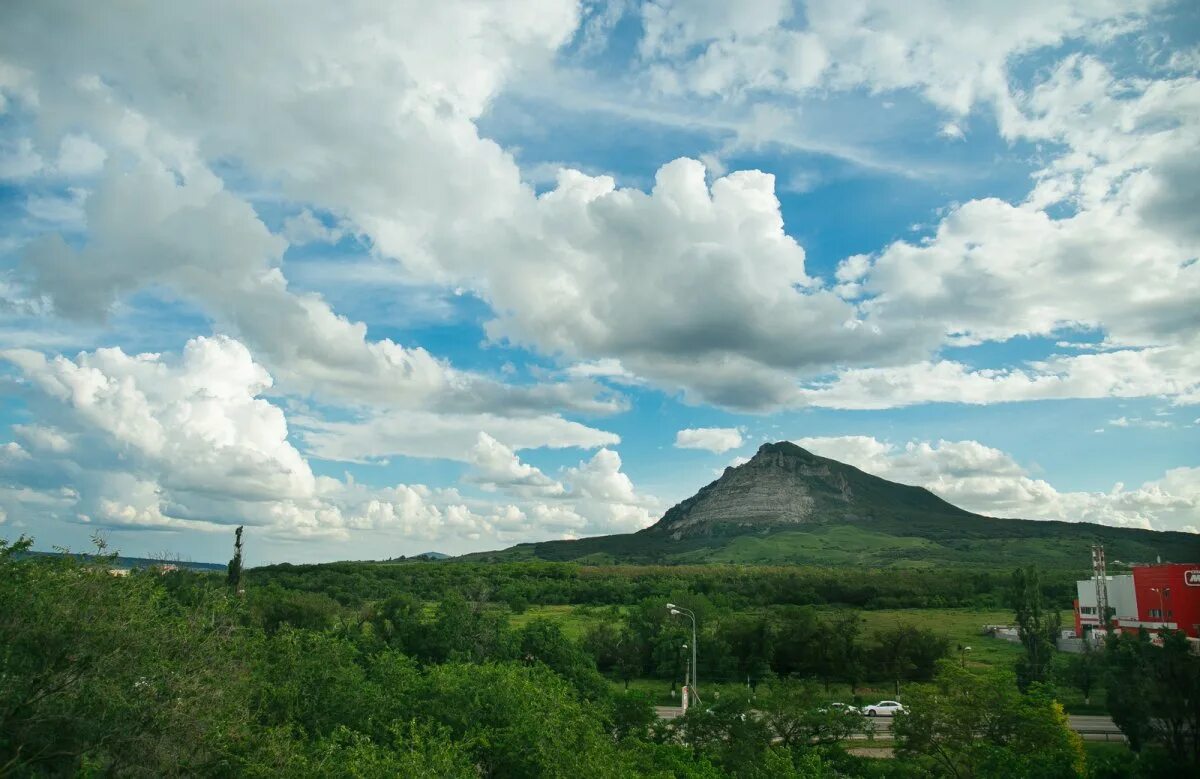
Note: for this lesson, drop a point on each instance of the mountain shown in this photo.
(787, 505)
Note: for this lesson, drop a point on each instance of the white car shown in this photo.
(884, 709)
(837, 708)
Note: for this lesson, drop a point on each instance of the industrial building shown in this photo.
(1150, 597)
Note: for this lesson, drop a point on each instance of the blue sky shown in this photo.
(452, 278)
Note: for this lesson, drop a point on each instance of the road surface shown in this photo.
(1092, 727)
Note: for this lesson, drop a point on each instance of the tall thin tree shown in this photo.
(1037, 627)
(234, 575)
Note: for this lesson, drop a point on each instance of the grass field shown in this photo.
(574, 620)
(961, 626)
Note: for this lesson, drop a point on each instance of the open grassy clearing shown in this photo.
(961, 626)
(574, 620)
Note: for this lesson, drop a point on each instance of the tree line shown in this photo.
(749, 647)
(732, 586)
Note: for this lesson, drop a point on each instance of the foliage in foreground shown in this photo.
(173, 674)
(158, 675)
(979, 724)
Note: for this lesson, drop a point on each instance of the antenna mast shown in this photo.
(1101, 576)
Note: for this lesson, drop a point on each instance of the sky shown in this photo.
(374, 279)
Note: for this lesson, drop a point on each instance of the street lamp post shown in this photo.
(687, 669)
(1162, 610)
(677, 610)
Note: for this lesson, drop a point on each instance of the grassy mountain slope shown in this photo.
(788, 505)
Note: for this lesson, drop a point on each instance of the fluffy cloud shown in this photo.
(441, 435)
(306, 228)
(157, 124)
(1172, 371)
(953, 53)
(172, 430)
(1105, 240)
(42, 439)
(1120, 261)
(713, 439)
(167, 442)
(985, 480)
(605, 496)
(595, 496)
(694, 286)
(1125, 254)
(1139, 422)
(18, 160)
(195, 236)
(498, 467)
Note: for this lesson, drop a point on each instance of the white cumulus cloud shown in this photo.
(713, 439)
(988, 481)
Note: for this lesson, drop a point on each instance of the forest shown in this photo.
(468, 670)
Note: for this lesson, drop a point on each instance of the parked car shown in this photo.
(884, 709)
(841, 708)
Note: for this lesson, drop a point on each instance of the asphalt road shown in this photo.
(1090, 726)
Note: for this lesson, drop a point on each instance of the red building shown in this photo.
(1153, 598)
(1170, 595)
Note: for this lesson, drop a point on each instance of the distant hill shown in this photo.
(135, 562)
(788, 505)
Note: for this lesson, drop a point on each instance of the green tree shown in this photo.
(794, 712)
(468, 630)
(601, 640)
(800, 641)
(233, 573)
(1081, 670)
(1176, 674)
(1037, 627)
(397, 623)
(977, 724)
(518, 721)
(727, 732)
(633, 715)
(843, 652)
(751, 643)
(408, 750)
(543, 641)
(1154, 694)
(110, 674)
(629, 662)
(274, 607)
(908, 653)
(1129, 685)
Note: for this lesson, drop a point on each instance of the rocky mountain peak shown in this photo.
(784, 484)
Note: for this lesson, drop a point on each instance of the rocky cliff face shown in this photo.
(784, 484)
